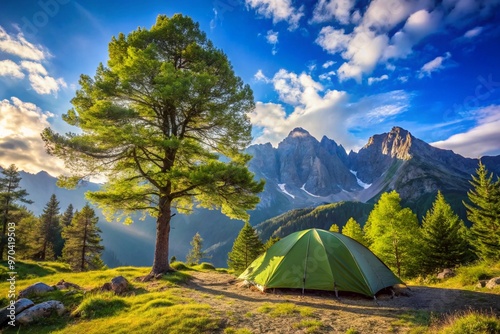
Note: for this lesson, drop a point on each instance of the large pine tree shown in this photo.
(444, 237)
(82, 249)
(393, 234)
(49, 230)
(246, 248)
(484, 213)
(353, 230)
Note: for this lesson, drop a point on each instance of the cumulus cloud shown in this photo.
(278, 10)
(327, 75)
(20, 47)
(434, 65)
(20, 127)
(482, 139)
(340, 10)
(31, 63)
(260, 76)
(328, 64)
(372, 80)
(321, 111)
(10, 69)
(390, 29)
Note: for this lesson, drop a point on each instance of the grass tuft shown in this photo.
(99, 306)
(470, 322)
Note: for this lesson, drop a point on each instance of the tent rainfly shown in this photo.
(320, 260)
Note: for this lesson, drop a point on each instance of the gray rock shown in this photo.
(63, 285)
(9, 312)
(119, 284)
(35, 289)
(445, 274)
(39, 311)
(493, 283)
(481, 283)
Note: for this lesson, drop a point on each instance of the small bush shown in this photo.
(179, 265)
(470, 275)
(204, 266)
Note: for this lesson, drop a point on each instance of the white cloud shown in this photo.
(20, 143)
(272, 38)
(327, 75)
(326, 10)
(278, 10)
(20, 47)
(33, 67)
(260, 76)
(372, 80)
(10, 69)
(473, 32)
(44, 84)
(434, 65)
(333, 40)
(483, 139)
(328, 64)
(321, 111)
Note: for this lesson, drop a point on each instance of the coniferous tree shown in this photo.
(82, 249)
(393, 234)
(334, 228)
(246, 248)
(67, 217)
(27, 226)
(195, 253)
(484, 213)
(353, 230)
(10, 193)
(270, 242)
(444, 237)
(49, 230)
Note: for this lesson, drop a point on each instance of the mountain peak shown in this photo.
(299, 132)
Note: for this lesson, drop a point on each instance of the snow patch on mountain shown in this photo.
(307, 192)
(361, 183)
(283, 190)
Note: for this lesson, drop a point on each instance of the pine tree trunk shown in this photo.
(160, 262)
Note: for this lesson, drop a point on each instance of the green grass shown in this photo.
(231, 330)
(468, 323)
(285, 309)
(204, 266)
(149, 307)
(33, 269)
(310, 326)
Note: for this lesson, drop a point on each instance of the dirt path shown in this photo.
(241, 307)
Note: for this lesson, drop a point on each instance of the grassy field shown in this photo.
(185, 302)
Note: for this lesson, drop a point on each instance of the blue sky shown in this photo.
(346, 69)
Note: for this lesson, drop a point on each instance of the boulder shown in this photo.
(9, 312)
(481, 283)
(106, 287)
(445, 274)
(35, 289)
(119, 284)
(39, 311)
(63, 285)
(493, 283)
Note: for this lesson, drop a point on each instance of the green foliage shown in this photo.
(444, 238)
(82, 249)
(270, 242)
(10, 193)
(99, 306)
(470, 275)
(195, 253)
(484, 213)
(30, 269)
(49, 231)
(353, 230)
(309, 326)
(204, 266)
(334, 228)
(393, 234)
(246, 248)
(471, 323)
(155, 121)
(177, 265)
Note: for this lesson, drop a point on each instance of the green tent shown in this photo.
(320, 260)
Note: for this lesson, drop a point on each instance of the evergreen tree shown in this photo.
(196, 253)
(26, 232)
(67, 217)
(353, 230)
(10, 193)
(246, 248)
(484, 213)
(444, 237)
(155, 120)
(334, 228)
(393, 234)
(49, 230)
(270, 242)
(82, 249)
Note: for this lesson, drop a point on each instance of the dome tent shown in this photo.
(320, 260)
